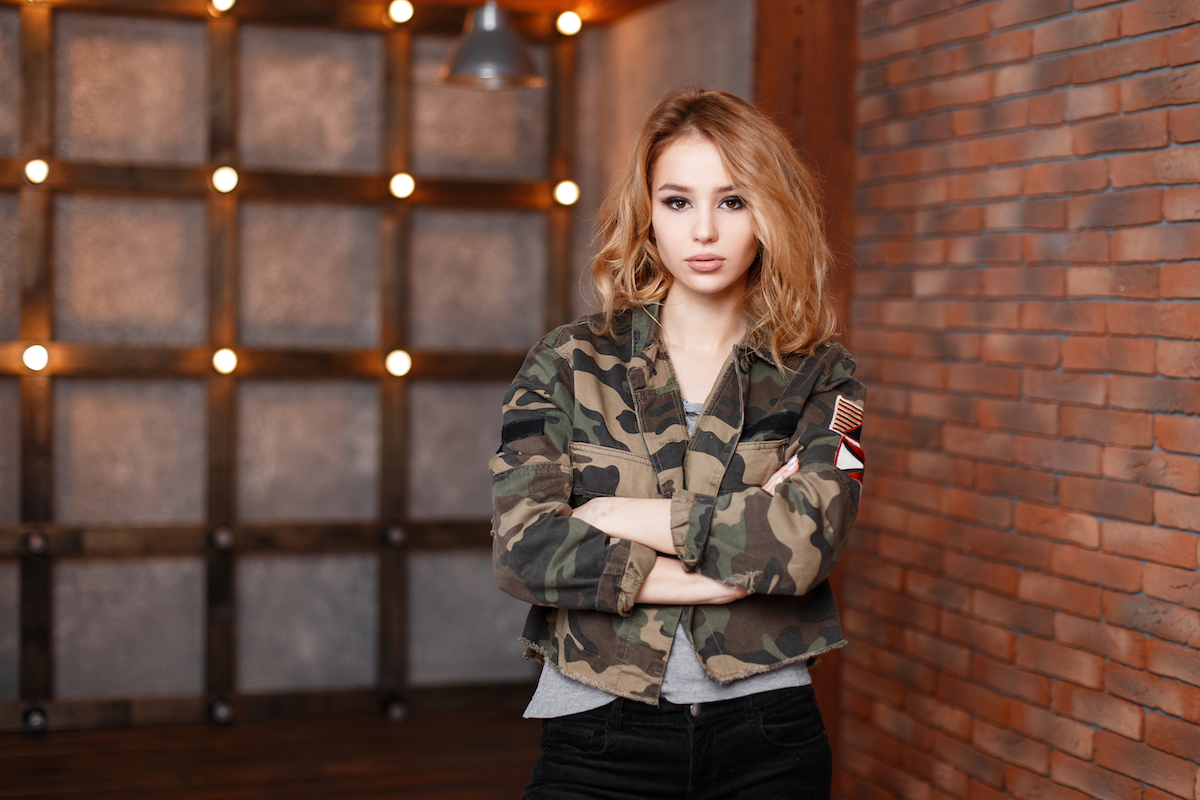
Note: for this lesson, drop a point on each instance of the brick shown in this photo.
(1057, 661)
(1144, 763)
(1041, 281)
(1080, 248)
(1076, 31)
(886, 775)
(972, 633)
(1032, 76)
(901, 726)
(1075, 104)
(1026, 214)
(993, 512)
(939, 715)
(1057, 455)
(903, 11)
(1054, 523)
(937, 466)
(1065, 595)
(914, 253)
(911, 373)
(950, 220)
(1015, 12)
(1076, 317)
(1179, 360)
(885, 106)
(1170, 320)
(942, 282)
(1166, 621)
(886, 45)
(866, 739)
(970, 760)
(1113, 572)
(1169, 695)
(1020, 417)
(988, 185)
(1151, 468)
(1177, 86)
(1166, 166)
(893, 224)
(1032, 145)
(1109, 354)
(1123, 281)
(871, 685)
(1097, 783)
(1172, 736)
(1152, 394)
(925, 64)
(1021, 483)
(994, 117)
(1024, 785)
(1011, 681)
(1176, 242)
(1181, 204)
(1115, 209)
(1178, 434)
(1066, 177)
(871, 79)
(907, 611)
(1004, 611)
(998, 48)
(1108, 426)
(909, 433)
(1179, 586)
(911, 674)
(1184, 124)
(1119, 60)
(962, 24)
(1013, 747)
(983, 703)
(1046, 726)
(1097, 708)
(946, 656)
(1019, 349)
(1173, 661)
(1107, 498)
(1152, 543)
(1066, 387)
(1145, 16)
(1128, 647)
(958, 90)
(1183, 46)
(995, 381)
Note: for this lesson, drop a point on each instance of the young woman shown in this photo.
(678, 475)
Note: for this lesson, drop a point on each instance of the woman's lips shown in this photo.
(705, 262)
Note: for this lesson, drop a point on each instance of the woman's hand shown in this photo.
(782, 474)
(670, 584)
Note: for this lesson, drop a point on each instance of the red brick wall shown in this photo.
(1022, 596)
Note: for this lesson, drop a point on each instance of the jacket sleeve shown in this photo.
(540, 554)
(786, 543)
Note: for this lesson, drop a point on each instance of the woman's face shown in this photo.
(703, 229)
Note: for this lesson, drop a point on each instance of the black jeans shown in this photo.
(764, 746)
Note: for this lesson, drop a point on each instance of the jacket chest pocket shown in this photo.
(757, 462)
(607, 472)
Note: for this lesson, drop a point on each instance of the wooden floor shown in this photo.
(448, 756)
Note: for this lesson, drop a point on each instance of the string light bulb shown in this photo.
(398, 363)
(568, 23)
(225, 179)
(37, 170)
(400, 11)
(401, 185)
(225, 361)
(221, 6)
(566, 193)
(36, 357)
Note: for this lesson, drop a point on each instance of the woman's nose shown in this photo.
(705, 229)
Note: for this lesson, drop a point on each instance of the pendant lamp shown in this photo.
(490, 55)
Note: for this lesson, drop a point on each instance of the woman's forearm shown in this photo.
(668, 583)
(643, 520)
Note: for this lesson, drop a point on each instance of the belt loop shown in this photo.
(617, 707)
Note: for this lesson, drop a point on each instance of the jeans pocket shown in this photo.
(576, 732)
(793, 719)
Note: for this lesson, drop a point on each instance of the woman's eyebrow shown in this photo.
(675, 187)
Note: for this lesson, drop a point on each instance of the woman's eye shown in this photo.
(734, 203)
(675, 203)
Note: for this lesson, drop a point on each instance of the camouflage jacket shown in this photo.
(591, 416)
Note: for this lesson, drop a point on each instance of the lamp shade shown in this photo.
(490, 55)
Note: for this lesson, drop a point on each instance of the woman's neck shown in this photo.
(699, 333)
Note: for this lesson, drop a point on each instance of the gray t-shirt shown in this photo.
(684, 680)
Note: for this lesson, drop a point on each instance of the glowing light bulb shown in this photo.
(398, 363)
(36, 357)
(225, 179)
(225, 361)
(37, 170)
(566, 192)
(221, 6)
(400, 11)
(401, 185)
(569, 23)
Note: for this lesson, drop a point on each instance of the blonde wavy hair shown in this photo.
(788, 304)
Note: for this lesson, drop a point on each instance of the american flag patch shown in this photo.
(847, 417)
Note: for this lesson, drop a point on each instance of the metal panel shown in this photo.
(10, 80)
(10, 627)
(463, 629)
(454, 430)
(306, 622)
(128, 628)
(130, 89)
(10, 265)
(308, 451)
(129, 451)
(478, 279)
(466, 134)
(10, 450)
(310, 275)
(311, 100)
(130, 270)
